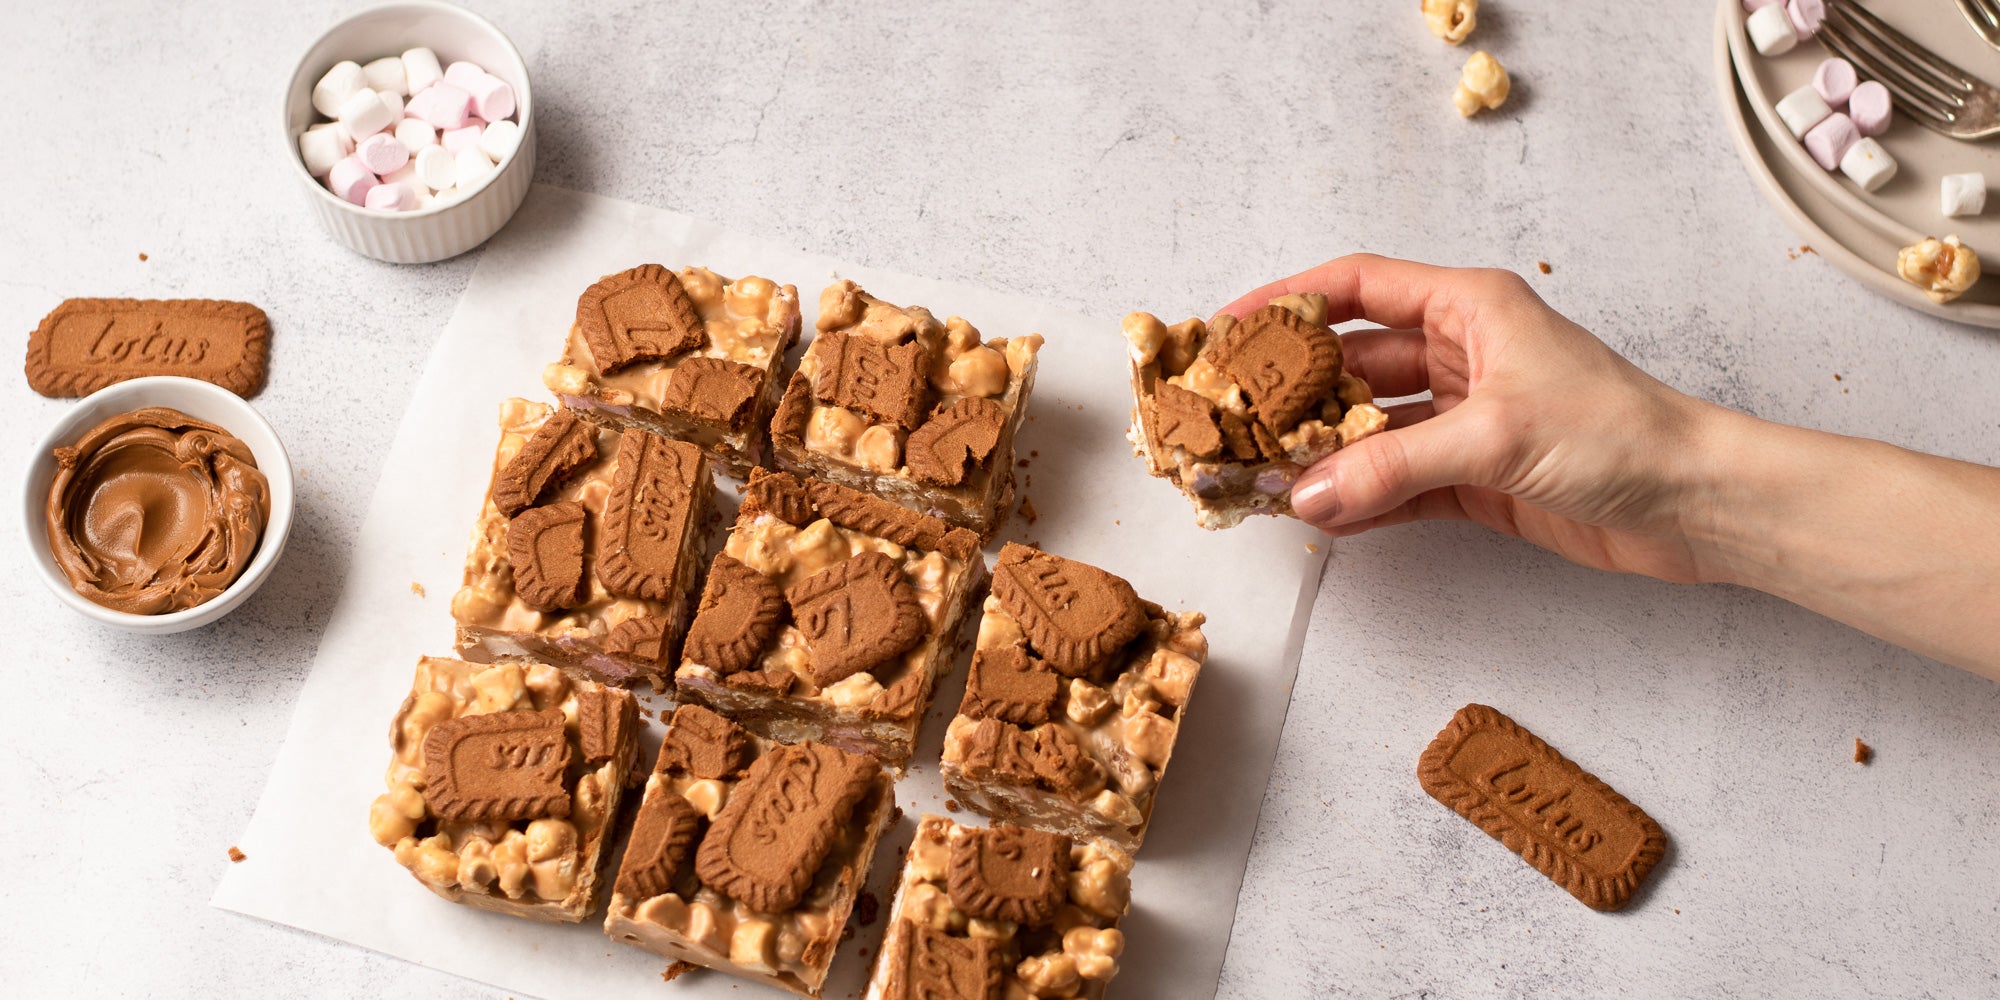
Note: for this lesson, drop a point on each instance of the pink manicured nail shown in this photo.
(1315, 500)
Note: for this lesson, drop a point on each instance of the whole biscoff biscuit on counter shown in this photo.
(84, 345)
(1575, 829)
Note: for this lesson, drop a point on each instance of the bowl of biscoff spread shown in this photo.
(158, 504)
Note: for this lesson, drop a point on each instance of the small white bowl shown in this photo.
(195, 398)
(428, 234)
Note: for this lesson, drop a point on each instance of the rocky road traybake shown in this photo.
(893, 403)
(1073, 701)
(587, 548)
(830, 615)
(688, 354)
(1003, 914)
(504, 783)
(747, 855)
(1232, 411)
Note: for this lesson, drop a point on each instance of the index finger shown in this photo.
(1394, 293)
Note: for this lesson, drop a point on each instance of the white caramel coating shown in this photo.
(1944, 268)
(746, 320)
(1451, 20)
(1482, 86)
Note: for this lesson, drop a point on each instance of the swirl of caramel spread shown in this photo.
(153, 511)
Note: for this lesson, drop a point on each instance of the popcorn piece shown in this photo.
(1870, 108)
(1868, 165)
(1483, 85)
(1962, 194)
(1831, 139)
(1835, 81)
(1451, 20)
(1945, 269)
(1806, 16)
(1801, 109)
(1770, 30)
(337, 86)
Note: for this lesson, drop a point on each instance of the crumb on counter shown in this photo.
(236, 854)
(142, 257)
(677, 970)
(1028, 513)
(416, 588)
(1542, 266)
(1863, 753)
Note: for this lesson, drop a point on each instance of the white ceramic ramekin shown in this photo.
(441, 231)
(197, 399)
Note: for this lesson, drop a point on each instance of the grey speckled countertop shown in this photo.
(1109, 157)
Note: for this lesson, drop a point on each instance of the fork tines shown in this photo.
(1923, 84)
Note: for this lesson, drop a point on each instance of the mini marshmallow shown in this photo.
(382, 153)
(415, 134)
(447, 196)
(1806, 16)
(472, 168)
(350, 179)
(337, 86)
(420, 70)
(321, 147)
(363, 114)
(462, 74)
(1962, 194)
(1770, 30)
(1801, 109)
(1835, 80)
(436, 168)
(500, 140)
(1828, 141)
(458, 139)
(392, 197)
(442, 104)
(394, 102)
(1753, 6)
(1868, 165)
(491, 97)
(386, 75)
(406, 174)
(1870, 108)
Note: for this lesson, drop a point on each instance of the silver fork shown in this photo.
(1985, 18)
(1930, 90)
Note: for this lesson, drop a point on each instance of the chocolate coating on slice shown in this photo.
(768, 842)
(954, 439)
(740, 611)
(603, 719)
(1186, 420)
(1008, 684)
(545, 546)
(501, 766)
(856, 615)
(859, 372)
(713, 389)
(705, 744)
(559, 447)
(647, 515)
(1007, 873)
(663, 839)
(642, 314)
(934, 965)
(1284, 364)
(1076, 615)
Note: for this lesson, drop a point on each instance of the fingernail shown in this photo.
(1314, 499)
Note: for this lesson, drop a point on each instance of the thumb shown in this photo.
(1381, 473)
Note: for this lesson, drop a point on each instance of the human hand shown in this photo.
(1534, 428)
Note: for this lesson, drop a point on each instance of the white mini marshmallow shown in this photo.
(1835, 79)
(392, 197)
(415, 134)
(436, 168)
(1771, 31)
(420, 70)
(1870, 108)
(1801, 109)
(351, 179)
(456, 139)
(491, 97)
(1829, 140)
(363, 114)
(500, 140)
(337, 86)
(1868, 165)
(1753, 6)
(406, 174)
(442, 104)
(472, 168)
(386, 75)
(394, 102)
(1962, 194)
(461, 73)
(382, 153)
(321, 147)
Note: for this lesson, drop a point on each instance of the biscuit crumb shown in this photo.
(1310, 547)
(1542, 266)
(236, 854)
(142, 257)
(1028, 513)
(1023, 463)
(416, 588)
(951, 805)
(1863, 753)
(677, 970)
(1836, 376)
(867, 908)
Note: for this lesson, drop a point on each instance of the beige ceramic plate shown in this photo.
(1860, 233)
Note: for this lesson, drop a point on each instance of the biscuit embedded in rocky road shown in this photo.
(1186, 420)
(885, 381)
(856, 615)
(1008, 684)
(545, 546)
(713, 389)
(768, 842)
(503, 766)
(1558, 817)
(1075, 615)
(1284, 364)
(84, 345)
(560, 446)
(663, 836)
(641, 314)
(646, 515)
(704, 744)
(740, 610)
(1008, 873)
(958, 436)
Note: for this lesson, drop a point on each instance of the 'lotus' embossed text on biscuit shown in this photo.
(87, 344)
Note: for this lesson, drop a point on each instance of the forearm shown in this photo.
(1901, 545)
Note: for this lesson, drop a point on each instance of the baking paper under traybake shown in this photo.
(312, 863)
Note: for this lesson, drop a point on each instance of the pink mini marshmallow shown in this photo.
(1869, 107)
(492, 98)
(461, 138)
(392, 197)
(461, 74)
(1753, 6)
(1835, 80)
(444, 105)
(1806, 15)
(382, 153)
(1831, 139)
(351, 180)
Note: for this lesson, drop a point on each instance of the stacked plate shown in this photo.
(1859, 232)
